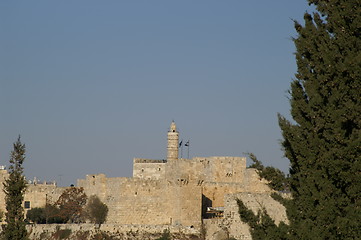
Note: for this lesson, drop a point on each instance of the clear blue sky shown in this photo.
(90, 85)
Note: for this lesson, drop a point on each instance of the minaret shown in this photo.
(173, 141)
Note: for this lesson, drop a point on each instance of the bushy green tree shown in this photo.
(48, 214)
(14, 188)
(71, 204)
(96, 210)
(323, 141)
(53, 214)
(36, 215)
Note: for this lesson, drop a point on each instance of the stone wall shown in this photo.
(185, 204)
(96, 184)
(210, 169)
(215, 192)
(36, 195)
(3, 175)
(175, 192)
(124, 232)
(144, 201)
(253, 183)
(224, 169)
(149, 168)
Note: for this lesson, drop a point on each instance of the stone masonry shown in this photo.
(198, 193)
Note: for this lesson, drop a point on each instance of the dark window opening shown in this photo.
(27, 204)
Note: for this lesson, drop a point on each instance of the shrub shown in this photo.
(36, 215)
(96, 210)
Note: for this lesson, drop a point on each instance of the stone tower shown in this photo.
(173, 141)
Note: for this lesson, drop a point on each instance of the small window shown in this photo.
(27, 204)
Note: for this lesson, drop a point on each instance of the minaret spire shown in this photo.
(173, 141)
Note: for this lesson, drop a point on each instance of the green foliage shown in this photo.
(1, 215)
(14, 188)
(262, 225)
(165, 235)
(49, 214)
(276, 178)
(36, 215)
(96, 210)
(53, 214)
(67, 209)
(323, 142)
(71, 203)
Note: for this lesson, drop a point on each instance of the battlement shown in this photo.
(144, 160)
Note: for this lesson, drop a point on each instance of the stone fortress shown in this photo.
(198, 193)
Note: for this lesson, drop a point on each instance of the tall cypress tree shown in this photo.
(14, 188)
(323, 143)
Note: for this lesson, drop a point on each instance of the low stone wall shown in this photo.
(107, 231)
